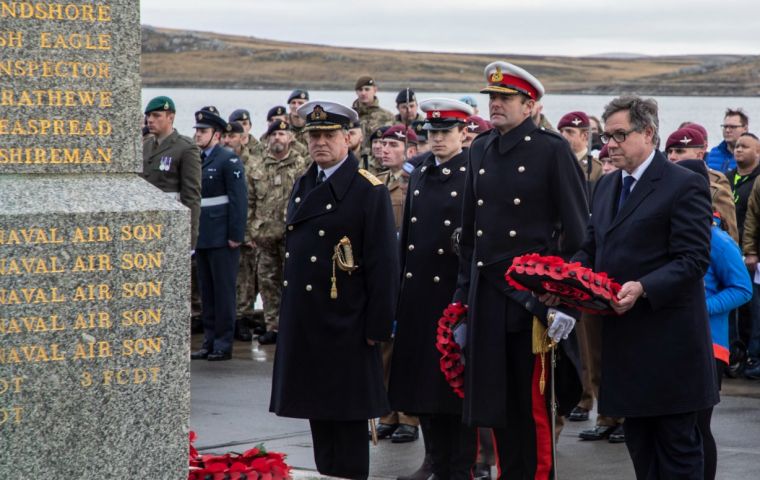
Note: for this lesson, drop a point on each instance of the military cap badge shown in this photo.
(166, 105)
(244, 116)
(283, 126)
(228, 127)
(318, 114)
(685, 140)
(303, 95)
(498, 76)
(199, 116)
(576, 121)
(436, 114)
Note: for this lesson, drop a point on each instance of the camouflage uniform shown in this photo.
(272, 182)
(247, 285)
(371, 117)
(419, 118)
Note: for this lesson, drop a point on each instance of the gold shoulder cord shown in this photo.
(344, 258)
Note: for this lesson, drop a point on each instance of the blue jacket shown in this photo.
(224, 202)
(720, 159)
(727, 286)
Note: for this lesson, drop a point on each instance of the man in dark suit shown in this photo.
(338, 298)
(650, 231)
(224, 207)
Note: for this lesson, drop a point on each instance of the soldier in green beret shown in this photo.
(171, 161)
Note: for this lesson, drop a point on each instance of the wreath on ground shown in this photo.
(254, 464)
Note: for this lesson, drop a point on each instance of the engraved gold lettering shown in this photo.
(30, 265)
(92, 263)
(141, 261)
(11, 39)
(141, 289)
(140, 318)
(31, 354)
(92, 292)
(142, 233)
(39, 155)
(131, 376)
(76, 41)
(69, 128)
(93, 234)
(30, 296)
(54, 98)
(53, 69)
(92, 350)
(55, 11)
(91, 320)
(30, 236)
(31, 325)
(141, 346)
(12, 415)
(12, 385)
(85, 379)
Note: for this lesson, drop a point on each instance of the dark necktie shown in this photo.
(203, 156)
(628, 182)
(321, 177)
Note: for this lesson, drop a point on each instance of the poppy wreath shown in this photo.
(577, 286)
(451, 363)
(254, 464)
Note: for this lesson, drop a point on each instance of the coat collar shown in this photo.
(644, 186)
(316, 200)
(211, 156)
(166, 144)
(452, 166)
(517, 135)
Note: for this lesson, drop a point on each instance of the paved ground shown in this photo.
(230, 412)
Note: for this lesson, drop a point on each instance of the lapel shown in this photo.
(517, 135)
(318, 198)
(641, 190)
(210, 158)
(165, 145)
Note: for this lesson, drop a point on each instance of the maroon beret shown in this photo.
(401, 133)
(699, 128)
(476, 124)
(604, 152)
(686, 137)
(573, 119)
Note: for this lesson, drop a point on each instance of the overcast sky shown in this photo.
(557, 27)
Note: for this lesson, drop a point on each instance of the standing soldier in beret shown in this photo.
(224, 204)
(423, 146)
(272, 181)
(432, 212)
(399, 144)
(524, 193)
(575, 127)
(356, 139)
(297, 98)
(251, 153)
(406, 104)
(171, 161)
(367, 106)
(338, 299)
(372, 159)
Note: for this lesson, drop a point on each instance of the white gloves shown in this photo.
(562, 325)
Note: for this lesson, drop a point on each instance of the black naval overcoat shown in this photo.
(524, 193)
(323, 368)
(429, 268)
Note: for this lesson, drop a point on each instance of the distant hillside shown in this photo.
(171, 58)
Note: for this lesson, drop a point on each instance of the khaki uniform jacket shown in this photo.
(174, 166)
(723, 202)
(752, 222)
(272, 181)
(371, 118)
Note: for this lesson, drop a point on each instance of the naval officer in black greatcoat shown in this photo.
(524, 193)
(339, 295)
(433, 211)
(224, 206)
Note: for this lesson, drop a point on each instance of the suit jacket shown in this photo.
(223, 174)
(657, 357)
(323, 368)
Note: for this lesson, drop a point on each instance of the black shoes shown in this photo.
(481, 471)
(269, 338)
(600, 432)
(617, 435)
(384, 430)
(218, 355)
(405, 433)
(242, 332)
(579, 414)
(201, 354)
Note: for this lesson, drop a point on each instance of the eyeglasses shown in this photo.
(731, 127)
(619, 136)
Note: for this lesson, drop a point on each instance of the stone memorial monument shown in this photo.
(94, 261)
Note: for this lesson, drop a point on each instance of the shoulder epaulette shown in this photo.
(372, 179)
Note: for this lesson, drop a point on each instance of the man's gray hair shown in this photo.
(641, 111)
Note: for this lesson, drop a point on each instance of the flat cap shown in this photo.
(208, 119)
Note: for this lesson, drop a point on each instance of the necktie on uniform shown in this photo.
(625, 191)
(203, 155)
(321, 177)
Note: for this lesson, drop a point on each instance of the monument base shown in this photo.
(94, 328)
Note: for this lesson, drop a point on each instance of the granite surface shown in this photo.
(71, 102)
(94, 328)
